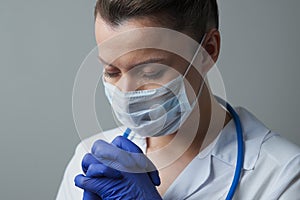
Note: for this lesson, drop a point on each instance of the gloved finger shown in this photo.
(137, 154)
(154, 176)
(126, 144)
(98, 170)
(90, 196)
(112, 156)
(95, 185)
(86, 183)
(141, 159)
(87, 160)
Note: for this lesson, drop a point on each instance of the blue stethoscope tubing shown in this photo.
(240, 147)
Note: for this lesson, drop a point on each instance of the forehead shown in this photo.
(127, 37)
(138, 34)
(105, 31)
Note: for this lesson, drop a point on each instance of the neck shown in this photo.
(193, 136)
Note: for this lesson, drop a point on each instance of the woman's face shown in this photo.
(140, 69)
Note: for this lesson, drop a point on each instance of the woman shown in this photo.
(162, 96)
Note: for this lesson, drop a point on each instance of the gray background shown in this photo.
(42, 44)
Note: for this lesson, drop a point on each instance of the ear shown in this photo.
(212, 43)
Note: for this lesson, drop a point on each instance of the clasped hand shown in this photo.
(118, 170)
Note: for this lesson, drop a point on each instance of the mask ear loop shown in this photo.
(190, 65)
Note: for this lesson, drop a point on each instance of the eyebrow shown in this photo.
(151, 60)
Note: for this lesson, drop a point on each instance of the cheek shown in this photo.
(170, 75)
(193, 82)
(180, 64)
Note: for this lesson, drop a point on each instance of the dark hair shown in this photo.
(195, 16)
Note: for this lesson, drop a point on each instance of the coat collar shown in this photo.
(254, 133)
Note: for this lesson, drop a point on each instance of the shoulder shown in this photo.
(279, 149)
(272, 163)
(261, 142)
(278, 168)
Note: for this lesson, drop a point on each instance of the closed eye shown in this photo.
(111, 74)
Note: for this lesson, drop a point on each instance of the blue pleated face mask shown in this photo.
(154, 112)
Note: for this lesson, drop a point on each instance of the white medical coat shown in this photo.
(271, 167)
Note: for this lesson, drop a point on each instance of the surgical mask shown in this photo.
(154, 112)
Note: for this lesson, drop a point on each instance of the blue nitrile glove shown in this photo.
(89, 160)
(90, 196)
(104, 180)
(142, 163)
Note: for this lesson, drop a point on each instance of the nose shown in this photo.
(127, 83)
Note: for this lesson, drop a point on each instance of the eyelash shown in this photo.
(144, 75)
(111, 75)
(154, 75)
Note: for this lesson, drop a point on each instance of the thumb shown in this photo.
(141, 160)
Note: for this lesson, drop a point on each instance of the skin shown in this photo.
(122, 74)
